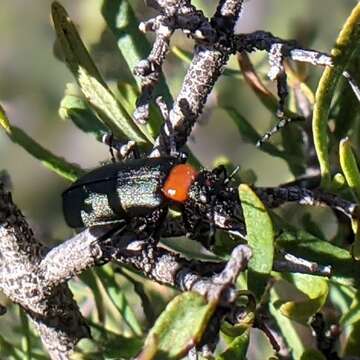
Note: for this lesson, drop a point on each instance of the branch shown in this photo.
(173, 15)
(168, 268)
(22, 278)
(74, 256)
(211, 53)
(276, 196)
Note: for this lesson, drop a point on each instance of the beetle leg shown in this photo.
(106, 241)
(149, 228)
(124, 151)
(173, 227)
(220, 170)
(168, 128)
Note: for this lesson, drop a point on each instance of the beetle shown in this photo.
(139, 192)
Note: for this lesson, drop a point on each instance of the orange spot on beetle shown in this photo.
(178, 182)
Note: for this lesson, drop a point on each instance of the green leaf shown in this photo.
(25, 341)
(353, 314)
(346, 45)
(128, 94)
(352, 347)
(140, 290)
(73, 107)
(316, 290)
(89, 279)
(4, 120)
(107, 278)
(132, 43)
(286, 326)
(349, 166)
(94, 88)
(179, 327)
(312, 354)
(122, 21)
(10, 351)
(260, 237)
(118, 346)
(351, 172)
(55, 163)
(134, 46)
(237, 349)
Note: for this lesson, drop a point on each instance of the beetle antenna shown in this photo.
(352, 83)
(232, 175)
(285, 121)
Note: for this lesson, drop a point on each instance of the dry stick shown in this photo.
(168, 268)
(173, 15)
(29, 278)
(209, 59)
(274, 197)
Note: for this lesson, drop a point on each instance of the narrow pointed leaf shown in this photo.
(89, 279)
(346, 44)
(118, 298)
(349, 166)
(353, 314)
(352, 347)
(260, 236)
(53, 162)
(26, 341)
(94, 88)
(73, 107)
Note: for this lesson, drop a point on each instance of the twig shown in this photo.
(276, 196)
(168, 268)
(23, 279)
(173, 15)
(210, 56)
(291, 263)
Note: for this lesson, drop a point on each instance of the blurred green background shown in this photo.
(32, 83)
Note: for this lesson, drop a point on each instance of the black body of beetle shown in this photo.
(213, 203)
(117, 191)
(131, 192)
